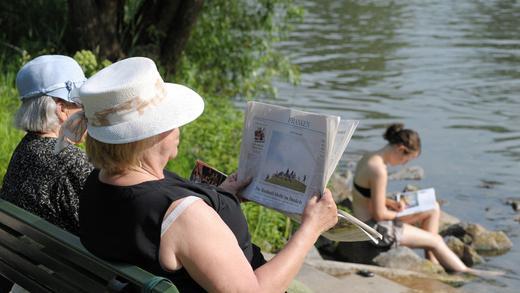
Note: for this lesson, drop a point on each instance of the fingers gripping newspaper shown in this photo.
(290, 156)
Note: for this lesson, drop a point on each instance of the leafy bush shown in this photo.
(89, 62)
(231, 50)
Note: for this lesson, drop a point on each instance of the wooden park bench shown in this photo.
(41, 257)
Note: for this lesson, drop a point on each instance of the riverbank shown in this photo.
(401, 269)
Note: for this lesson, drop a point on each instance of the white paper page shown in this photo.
(418, 201)
(346, 129)
(360, 223)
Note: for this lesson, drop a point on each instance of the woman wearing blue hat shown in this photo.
(38, 180)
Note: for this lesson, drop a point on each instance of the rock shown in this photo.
(404, 258)
(408, 173)
(515, 203)
(456, 230)
(447, 220)
(466, 253)
(298, 287)
(470, 257)
(488, 184)
(455, 244)
(341, 186)
(489, 242)
(517, 218)
(483, 241)
(313, 254)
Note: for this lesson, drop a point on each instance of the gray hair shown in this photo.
(37, 114)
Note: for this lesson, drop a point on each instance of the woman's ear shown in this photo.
(402, 149)
(61, 110)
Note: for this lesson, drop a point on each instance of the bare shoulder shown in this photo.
(376, 166)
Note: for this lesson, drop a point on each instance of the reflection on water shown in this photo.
(449, 69)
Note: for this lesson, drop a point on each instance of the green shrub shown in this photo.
(8, 105)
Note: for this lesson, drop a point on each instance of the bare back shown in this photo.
(371, 173)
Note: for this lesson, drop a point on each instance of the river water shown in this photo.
(448, 69)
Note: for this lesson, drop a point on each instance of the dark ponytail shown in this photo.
(396, 134)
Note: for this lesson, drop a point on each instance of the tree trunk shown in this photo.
(95, 25)
(98, 25)
(179, 32)
(168, 22)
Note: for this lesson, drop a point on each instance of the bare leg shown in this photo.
(428, 221)
(431, 224)
(418, 238)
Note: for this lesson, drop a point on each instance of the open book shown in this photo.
(291, 156)
(416, 201)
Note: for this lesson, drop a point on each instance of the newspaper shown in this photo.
(290, 156)
(416, 201)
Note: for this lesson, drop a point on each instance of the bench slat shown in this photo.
(63, 253)
(36, 275)
(67, 272)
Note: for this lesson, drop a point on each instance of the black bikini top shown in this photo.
(365, 192)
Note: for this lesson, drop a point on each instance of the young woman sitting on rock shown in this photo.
(371, 205)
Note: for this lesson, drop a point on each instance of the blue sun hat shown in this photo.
(52, 75)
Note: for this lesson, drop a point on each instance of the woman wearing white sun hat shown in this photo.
(132, 210)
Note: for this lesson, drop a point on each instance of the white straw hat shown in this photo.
(128, 101)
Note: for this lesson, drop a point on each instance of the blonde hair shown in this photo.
(117, 158)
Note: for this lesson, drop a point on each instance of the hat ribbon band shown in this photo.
(127, 110)
(72, 131)
(71, 86)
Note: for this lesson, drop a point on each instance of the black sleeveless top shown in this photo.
(123, 223)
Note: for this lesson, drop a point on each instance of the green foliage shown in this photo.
(230, 52)
(8, 105)
(269, 229)
(89, 62)
(214, 138)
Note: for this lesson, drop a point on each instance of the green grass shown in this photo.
(9, 136)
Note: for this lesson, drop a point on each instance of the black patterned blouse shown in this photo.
(45, 184)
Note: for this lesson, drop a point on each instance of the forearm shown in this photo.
(277, 274)
(385, 215)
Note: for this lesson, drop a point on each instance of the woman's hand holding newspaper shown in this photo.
(321, 212)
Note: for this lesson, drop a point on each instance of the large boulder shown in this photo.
(466, 253)
(488, 242)
(485, 242)
(404, 258)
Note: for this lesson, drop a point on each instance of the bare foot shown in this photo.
(485, 274)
